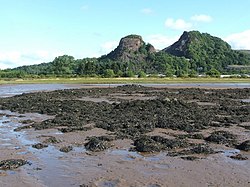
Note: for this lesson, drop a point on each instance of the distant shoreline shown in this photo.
(148, 80)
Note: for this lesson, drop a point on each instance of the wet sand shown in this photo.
(116, 166)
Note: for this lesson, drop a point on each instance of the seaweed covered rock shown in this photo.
(97, 144)
(11, 164)
(157, 143)
(136, 110)
(190, 158)
(147, 144)
(239, 157)
(39, 146)
(51, 140)
(222, 137)
(245, 146)
(202, 149)
(66, 149)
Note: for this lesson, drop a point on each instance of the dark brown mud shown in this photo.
(131, 111)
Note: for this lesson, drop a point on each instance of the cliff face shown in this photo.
(131, 47)
(179, 48)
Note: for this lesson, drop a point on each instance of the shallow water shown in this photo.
(180, 85)
(246, 100)
(10, 90)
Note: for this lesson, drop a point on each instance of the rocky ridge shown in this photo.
(131, 47)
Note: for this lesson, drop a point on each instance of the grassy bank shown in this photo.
(123, 80)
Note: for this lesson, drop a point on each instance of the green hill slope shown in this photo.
(205, 52)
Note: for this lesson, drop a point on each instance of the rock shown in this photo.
(23, 127)
(28, 121)
(190, 158)
(11, 164)
(97, 144)
(167, 99)
(238, 157)
(39, 146)
(147, 144)
(52, 140)
(202, 149)
(222, 137)
(245, 146)
(66, 149)
(179, 48)
(157, 143)
(131, 47)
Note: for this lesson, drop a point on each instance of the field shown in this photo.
(148, 80)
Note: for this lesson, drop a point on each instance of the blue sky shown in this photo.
(36, 31)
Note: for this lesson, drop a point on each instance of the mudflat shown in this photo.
(128, 135)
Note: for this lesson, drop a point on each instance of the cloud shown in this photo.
(11, 59)
(147, 11)
(160, 41)
(178, 24)
(108, 47)
(201, 18)
(181, 24)
(239, 40)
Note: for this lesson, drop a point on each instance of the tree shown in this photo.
(193, 73)
(63, 65)
(142, 74)
(109, 73)
(213, 73)
(129, 73)
(169, 71)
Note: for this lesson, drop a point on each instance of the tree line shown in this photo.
(155, 64)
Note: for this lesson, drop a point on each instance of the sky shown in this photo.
(37, 31)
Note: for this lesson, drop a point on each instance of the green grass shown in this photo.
(123, 80)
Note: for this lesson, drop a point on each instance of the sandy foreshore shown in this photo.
(119, 163)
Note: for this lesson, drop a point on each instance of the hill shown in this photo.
(205, 52)
(194, 53)
(131, 48)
